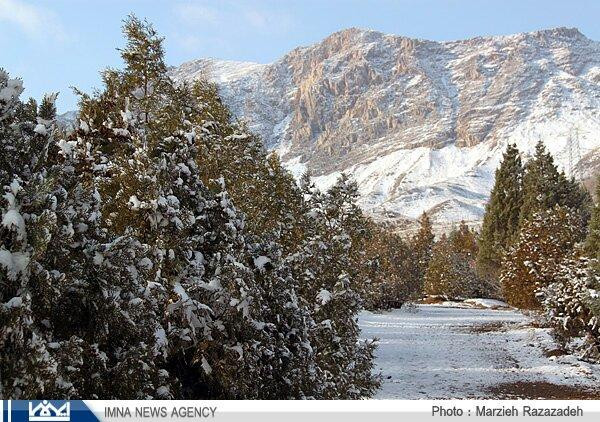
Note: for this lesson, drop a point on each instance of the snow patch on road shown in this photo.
(438, 352)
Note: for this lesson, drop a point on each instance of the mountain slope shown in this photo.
(420, 125)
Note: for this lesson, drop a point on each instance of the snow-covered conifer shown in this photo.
(532, 263)
(544, 187)
(329, 282)
(572, 304)
(28, 213)
(501, 220)
(422, 244)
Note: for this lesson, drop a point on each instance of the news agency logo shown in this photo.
(46, 411)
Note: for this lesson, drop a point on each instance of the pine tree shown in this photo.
(544, 187)
(422, 245)
(572, 306)
(502, 213)
(592, 242)
(451, 272)
(327, 272)
(532, 263)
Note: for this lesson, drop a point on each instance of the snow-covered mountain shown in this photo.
(67, 120)
(420, 125)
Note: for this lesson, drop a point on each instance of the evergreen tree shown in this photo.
(129, 271)
(572, 306)
(144, 163)
(502, 213)
(237, 321)
(544, 187)
(27, 111)
(327, 273)
(392, 271)
(540, 183)
(464, 241)
(47, 110)
(532, 263)
(451, 271)
(28, 365)
(449, 274)
(422, 245)
(592, 243)
(77, 309)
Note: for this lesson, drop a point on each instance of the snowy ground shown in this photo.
(437, 351)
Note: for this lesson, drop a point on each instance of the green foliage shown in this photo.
(330, 281)
(514, 244)
(572, 305)
(422, 246)
(502, 213)
(544, 187)
(533, 262)
(27, 221)
(125, 255)
(451, 272)
(47, 110)
(592, 242)
(392, 271)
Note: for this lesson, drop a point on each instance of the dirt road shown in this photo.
(435, 352)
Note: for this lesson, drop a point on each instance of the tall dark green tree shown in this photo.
(501, 219)
(592, 243)
(326, 267)
(47, 109)
(545, 240)
(575, 196)
(422, 245)
(544, 187)
(127, 269)
(238, 320)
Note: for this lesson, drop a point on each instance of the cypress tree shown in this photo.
(540, 183)
(326, 268)
(28, 366)
(545, 187)
(574, 195)
(501, 219)
(422, 245)
(47, 109)
(533, 262)
(592, 243)
(131, 224)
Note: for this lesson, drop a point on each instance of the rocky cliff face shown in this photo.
(421, 125)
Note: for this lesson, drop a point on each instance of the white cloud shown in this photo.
(35, 21)
(234, 13)
(264, 20)
(193, 43)
(196, 13)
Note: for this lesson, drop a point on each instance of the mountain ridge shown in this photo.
(419, 124)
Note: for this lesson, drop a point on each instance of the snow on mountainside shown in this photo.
(419, 124)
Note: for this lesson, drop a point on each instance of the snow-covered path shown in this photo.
(433, 351)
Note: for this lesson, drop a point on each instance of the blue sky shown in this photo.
(55, 44)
